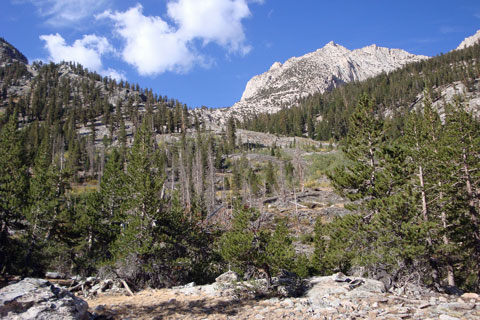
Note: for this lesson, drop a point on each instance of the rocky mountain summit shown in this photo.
(9, 53)
(318, 71)
(470, 41)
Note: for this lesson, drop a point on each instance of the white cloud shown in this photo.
(114, 74)
(65, 12)
(217, 21)
(154, 46)
(87, 51)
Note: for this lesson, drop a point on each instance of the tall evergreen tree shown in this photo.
(362, 146)
(13, 190)
(462, 140)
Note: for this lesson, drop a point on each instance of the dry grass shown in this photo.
(82, 188)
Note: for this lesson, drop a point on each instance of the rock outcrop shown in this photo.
(39, 299)
(470, 41)
(319, 71)
(9, 53)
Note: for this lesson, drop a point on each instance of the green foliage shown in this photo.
(279, 251)
(270, 178)
(325, 164)
(361, 177)
(245, 244)
(337, 244)
(414, 199)
(237, 245)
(13, 190)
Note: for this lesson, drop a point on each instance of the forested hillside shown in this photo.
(325, 116)
(104, 177)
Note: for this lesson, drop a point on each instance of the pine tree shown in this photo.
(94, 230)
(143, 204)
(43, 204)
(270, 178)
(112, 188)
(358, 180)
(13, 190)
(231, 134)
(377, 176)
(423, 136)
(247, 245)
(279, 251)
(462, 139)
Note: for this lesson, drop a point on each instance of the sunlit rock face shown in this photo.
(283, 84)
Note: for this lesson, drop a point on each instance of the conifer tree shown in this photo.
(362, 146)
(270, 178)
(462, 140)
(13, 190)
(43, 202)
(231, 134)
(423, 137)
(143, 203)
(112, 187)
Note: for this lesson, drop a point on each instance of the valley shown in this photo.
(362, 163)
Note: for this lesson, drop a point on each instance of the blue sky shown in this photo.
(203, 52)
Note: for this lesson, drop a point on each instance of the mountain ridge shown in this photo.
(322, 70)
(469, 41)
(284, 84)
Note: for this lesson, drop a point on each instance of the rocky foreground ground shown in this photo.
(332, 297)
(326, 298)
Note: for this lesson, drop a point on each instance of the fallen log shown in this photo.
(125, 285)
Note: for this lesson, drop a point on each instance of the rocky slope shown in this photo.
(9, 53)
(470, 41)
(319, 71)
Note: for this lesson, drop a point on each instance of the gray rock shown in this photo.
(447, 317)
(229, 276)
(9, 53)
(340, 277)
(456, 306)
(100, 308)
(321, 287)
(54, 275)
(39, 299)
